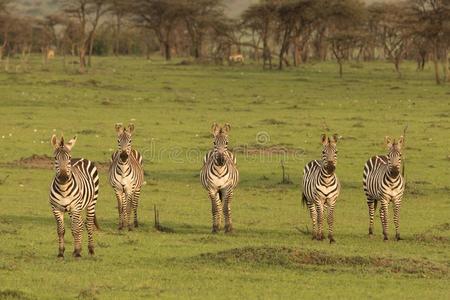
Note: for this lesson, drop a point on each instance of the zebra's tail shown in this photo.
(304, 201)
(96, 222)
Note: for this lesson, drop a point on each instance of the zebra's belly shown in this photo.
(66, 203)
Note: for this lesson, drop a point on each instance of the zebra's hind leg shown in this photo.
(330, 221)
(90, 216)
(227, 210)
(397, 204)
(372, 205)
(134, 206)
(59, 216)
(216, 210)
(77, 228)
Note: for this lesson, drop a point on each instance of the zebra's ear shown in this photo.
(130, 128)
(119, 127)
(400, 143)
(226, 128)
(324, 139)
(54, 141)
(61, 141)
(335, 138)
(388, 141)
(69, 145)
(215, 128)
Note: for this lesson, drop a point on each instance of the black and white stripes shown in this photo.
(126, 176)
(321, 188)
(383, 183)
(73, 189)
(220, 176)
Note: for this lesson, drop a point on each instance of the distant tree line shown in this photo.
(275, 33)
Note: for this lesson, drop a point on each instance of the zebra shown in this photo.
(74, 189)
(126, 176)
(383, 182)
(321, 188)
(220, 176)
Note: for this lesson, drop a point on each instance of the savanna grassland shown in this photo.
(270, 254)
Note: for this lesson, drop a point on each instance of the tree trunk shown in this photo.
(340, 68)
(397, 67)
(445, 66)
(82, 55)
(167, 54)
(436, 66)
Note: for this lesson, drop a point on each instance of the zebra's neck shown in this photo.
(324, 175)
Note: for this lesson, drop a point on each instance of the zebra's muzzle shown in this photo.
(123, 156)
(220, 159)
(394, 171)
(63, 178)
(330, 167)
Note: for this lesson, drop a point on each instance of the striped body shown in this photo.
(74, 189)
(126, 176)
(381, 185)
(321, 188)
(220, 176)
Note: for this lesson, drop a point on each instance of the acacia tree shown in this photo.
(394, 31)
(119, 10)
(346, 19)
(160, 16)
(199, 18)
(86, 14)
(6, 22)
(261, 18)
(433, 25)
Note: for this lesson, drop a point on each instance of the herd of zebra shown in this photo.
(76, 184)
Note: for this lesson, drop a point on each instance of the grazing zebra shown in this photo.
(126, 175)
(383, 182)
(220, 176)
(74, 188)
(321, 188)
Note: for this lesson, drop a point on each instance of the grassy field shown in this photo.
(270, 254)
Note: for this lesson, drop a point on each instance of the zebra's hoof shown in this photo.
(228, 229)
(76, 254)
(332, 241)
(130, 228)
(60, 255)
(385, 238)
(397, 237)
(136, 225)
(215, 229)
(91, 251)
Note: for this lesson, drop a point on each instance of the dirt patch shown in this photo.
(295, 258)
(37, 161)
(14, 294)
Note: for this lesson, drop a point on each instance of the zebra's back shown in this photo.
(82, 190)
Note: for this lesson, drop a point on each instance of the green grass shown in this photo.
(271, 254)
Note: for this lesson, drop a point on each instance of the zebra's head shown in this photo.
(395, 155)
(329, 153)
(220, 134)
(62, 155)
(124, 140)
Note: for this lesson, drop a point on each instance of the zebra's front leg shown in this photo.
(127, 209)
(134, 206)
(77, 229)
(90, 215)
(227, 210)
(313, 214)
(319, 208)
(216, 210)
(371, 206)
(330, 221)
(120, 202)
(384, 217)
(397, 204)
(59, 216)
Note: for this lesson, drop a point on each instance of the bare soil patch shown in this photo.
(44, 161)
